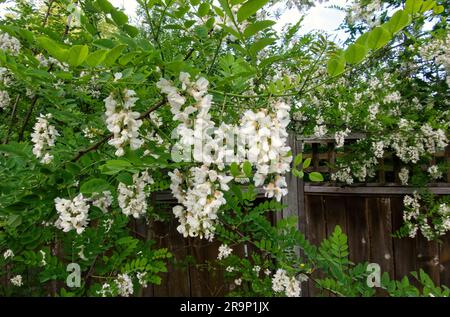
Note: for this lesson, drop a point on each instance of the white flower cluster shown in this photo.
(434, 172)
(73, 214)
(268, 150)
(410, 145)
(48, 62)
(123, 122)
(364, 11)
(4, 99)
(17, 280)
(8, 254)
(415, 219)
(124, 285)
(224, 252)
(133, 198)
(200, 196)
(262, 136)
(403, 175)
(281, 282)
(9, 44)
(340, 137)
(102, 201)
(437, 50)
(43, 137)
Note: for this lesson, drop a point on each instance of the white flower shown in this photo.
(73, 214)
(224, 251)
(238, 281)
(276, 189)
(102, 201)
(9, 44)
(4, 99)
(434, 172)
(8, 254)
(17, 280)
(340, 137)
(281, 282)
(141, 278)
(43, 138)
(256, 269)
(124, 285)
(123, 122)
(230, 269)
(403, 175)
(133, 198)
(118, 76)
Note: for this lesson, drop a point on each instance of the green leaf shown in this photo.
(125, 178)
(336, 65)
(254, 28)
(298, 159)
(428, 5)
(105, 6)
(378, 37)
(77, 55)
(96, 185)
(248, 169)
(249, 8)
(355, 53)
(131, 30)
(113, 55)
(119, 17)
(413, 6)
(438, 9)
(96, 58)
(53, 48)
(362, 39)
(203, 9)
(234, 169)
(316, 177)
(306, 163)
(399, 21)
(259, 45)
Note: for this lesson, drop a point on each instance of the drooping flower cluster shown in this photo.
(133, 198)
(9, 44)
(224, 252)
(124, 285)
(17, 280)
(432, 220)
(73, 214)
(267, 147)
(123, 122)
(102, 201)
(261, 139)
(43, 137)
(200, 195)
(281, 282)
(4, 99)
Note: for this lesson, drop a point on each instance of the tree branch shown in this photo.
(95, 146)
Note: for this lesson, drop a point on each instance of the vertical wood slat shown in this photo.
(444, 260)
(315, 229)
(357, 229)
(404, 249)
(380, 231)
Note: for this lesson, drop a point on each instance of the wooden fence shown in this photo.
(368, 213)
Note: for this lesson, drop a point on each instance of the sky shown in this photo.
(320, 17)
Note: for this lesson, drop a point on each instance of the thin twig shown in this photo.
(13, 116)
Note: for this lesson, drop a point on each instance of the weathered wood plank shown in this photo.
(357, 229)
(380, 231)
(371, 190)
